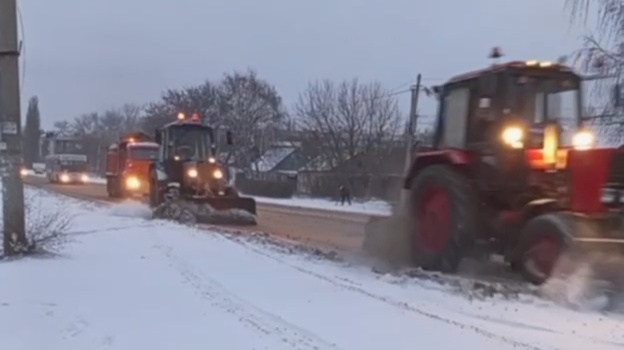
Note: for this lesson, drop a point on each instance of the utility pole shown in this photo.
(11, 131)
(411, 128)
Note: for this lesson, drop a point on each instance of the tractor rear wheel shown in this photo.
(544, 240)
(444, 217)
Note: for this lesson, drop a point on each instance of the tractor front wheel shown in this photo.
(444, 218)
(544, 240)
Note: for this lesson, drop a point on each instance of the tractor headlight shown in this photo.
(64, 178)
(133, 183)
(583, 140)
(192, 173)
(513, 136)
(218, 174)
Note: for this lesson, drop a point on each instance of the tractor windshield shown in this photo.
(191, 142)
(549, 98)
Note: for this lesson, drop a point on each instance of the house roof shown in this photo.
(272, 158)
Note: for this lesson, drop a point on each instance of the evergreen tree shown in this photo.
(32, 133)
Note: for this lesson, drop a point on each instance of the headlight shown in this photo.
(513, 136)
(218, 174)
(192, 173)
(23, 172)
(212, 160)
(64, 178)
(84, 178)
(132, 183)
(583, 139)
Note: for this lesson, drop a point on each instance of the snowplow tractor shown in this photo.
(512, 172)
(188, 184)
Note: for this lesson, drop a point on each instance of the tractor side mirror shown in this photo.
(228, 138)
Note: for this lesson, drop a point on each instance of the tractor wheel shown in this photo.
(155, 195)
(444, 217)
(543, 242)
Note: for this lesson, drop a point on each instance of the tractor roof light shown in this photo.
(583, 140)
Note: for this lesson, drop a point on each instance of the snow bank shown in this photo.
(373, 207)
(131, 283)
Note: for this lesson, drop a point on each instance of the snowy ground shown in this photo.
(126, 282)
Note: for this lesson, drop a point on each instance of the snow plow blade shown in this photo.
(227, 210)
(215, 211)
(247, 204)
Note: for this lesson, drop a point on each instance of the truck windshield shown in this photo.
(191, 142)
(149, 153)
(73, 166)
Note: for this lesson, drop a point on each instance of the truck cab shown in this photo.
(127, 165)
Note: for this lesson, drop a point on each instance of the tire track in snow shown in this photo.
(251, 316)
(344, 284)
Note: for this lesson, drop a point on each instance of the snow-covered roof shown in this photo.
(272, 157)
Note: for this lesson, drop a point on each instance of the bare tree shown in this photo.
(603, 54)
(348, 119)
(252, 109)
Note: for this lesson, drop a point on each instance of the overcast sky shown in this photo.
(88, 55)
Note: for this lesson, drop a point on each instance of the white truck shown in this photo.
(67, 168)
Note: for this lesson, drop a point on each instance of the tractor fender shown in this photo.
(539, 207)
(425, 159)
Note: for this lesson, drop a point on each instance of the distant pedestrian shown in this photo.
(345, 195)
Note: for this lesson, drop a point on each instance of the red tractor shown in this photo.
(511, 173)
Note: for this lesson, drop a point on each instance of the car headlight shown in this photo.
(192, 173)
(133, 183)
(84, 178)
(218, 174)
(64, 178)
(23, 172)
(513, 136)
(583, 140)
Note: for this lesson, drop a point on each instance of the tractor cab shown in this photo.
(509, 104)
(188, 154)
(512, 121)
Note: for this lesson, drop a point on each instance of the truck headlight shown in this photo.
(513, 136)
(218, 174)
(192, 173)
(64, 178)
(583, 140)
(133, 183)
(84, 178)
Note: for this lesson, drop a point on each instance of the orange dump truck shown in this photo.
(127, 165)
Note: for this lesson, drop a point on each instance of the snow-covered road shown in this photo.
(132, 283)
